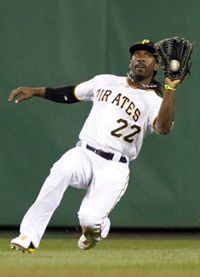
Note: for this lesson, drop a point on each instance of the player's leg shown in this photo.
(73, 168)
(108, 185)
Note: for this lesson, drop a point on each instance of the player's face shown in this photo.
(142, 65)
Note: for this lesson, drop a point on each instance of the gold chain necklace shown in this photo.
(143, 85)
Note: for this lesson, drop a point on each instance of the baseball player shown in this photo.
(125, 109)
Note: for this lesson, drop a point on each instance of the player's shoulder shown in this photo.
(108, 78)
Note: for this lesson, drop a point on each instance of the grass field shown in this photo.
(126, 255)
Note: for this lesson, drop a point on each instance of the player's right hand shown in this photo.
(20, 94)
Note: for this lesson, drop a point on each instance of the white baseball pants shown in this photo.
(104, 180)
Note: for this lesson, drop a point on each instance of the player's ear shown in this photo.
(156, 66)
(129, 64)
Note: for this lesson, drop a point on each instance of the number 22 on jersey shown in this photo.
(123, 124)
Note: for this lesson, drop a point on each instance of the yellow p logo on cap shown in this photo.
(145, 41)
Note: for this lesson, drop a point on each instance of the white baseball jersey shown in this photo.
(120, 118)
(121, 115)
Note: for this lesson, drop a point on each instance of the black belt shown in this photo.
(105, 155)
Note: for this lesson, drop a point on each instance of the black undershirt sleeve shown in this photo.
(61, 94)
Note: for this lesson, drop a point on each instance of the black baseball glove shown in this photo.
(171, 50)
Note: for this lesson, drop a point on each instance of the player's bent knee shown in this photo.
(90, 219)
(93, 222)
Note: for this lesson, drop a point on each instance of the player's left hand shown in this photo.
(172, 83)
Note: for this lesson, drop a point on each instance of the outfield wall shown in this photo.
(59, 42)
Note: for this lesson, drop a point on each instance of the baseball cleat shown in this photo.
(23, 244)
(85, 243)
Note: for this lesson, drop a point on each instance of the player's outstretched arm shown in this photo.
(165, 118)
(24, 93)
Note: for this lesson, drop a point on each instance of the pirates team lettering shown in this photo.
(120, 100)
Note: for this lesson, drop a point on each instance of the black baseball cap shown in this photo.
(145, 44)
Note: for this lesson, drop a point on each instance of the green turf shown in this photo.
(125, 256)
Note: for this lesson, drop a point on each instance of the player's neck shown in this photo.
(143, 84)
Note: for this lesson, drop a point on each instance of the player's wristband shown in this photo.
(167, 87)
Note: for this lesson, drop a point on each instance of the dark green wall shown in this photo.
(59, 42)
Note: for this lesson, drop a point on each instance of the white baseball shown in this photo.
(174, 65)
